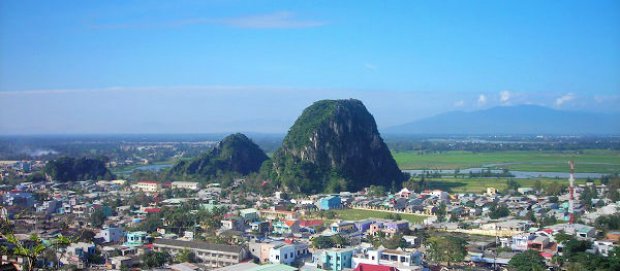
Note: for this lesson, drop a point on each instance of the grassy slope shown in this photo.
(603, 161)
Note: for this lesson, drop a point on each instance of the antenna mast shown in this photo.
(571, 190)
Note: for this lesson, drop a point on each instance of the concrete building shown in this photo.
(147, 186)
(329, 203)
(334, 259)
(111, 234)
(403, 260)
(212, 255)
(287, 253)
(185, 185)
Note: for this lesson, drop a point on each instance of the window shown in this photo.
(278, 257)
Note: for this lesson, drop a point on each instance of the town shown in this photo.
(182, 225)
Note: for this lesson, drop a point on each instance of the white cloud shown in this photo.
(482, 100)
(280, 19)
(459, 103)
(564, 99)
(505, 96)
(283, 19)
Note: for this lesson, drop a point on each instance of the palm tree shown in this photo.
(31, 252)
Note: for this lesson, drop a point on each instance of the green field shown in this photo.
(357, 214)
(600, 161)
(479, 185)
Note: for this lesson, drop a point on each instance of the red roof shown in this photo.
(311, 223)
(152, 210)
(549, 231)
(290, 222)
(374, 267)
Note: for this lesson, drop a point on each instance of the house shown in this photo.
(287, 253)
(539, 243)
(334, 259)
(261, 250)
(577, 230)
(111, 234)
(147, 186)
(520, 241)
(136, 238)
(403, 260)
(603, 247)
(249, 215)
(277, 214)
(212, 255)
(118, 262)
(232, 223)
(185, 185)
(78, 253)
(285, 226)
(404, 193)
(259, 227)
(343, 227)
(329, 203)
(374, 267)
(22, 199)
(185, 267)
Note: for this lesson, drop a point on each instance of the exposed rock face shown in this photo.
(335, 146)
(235, 154)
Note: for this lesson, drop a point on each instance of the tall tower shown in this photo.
(571, 190)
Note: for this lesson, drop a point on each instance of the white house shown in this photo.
(111, 234)
(603, 247)
(186, 185)
(287, 253)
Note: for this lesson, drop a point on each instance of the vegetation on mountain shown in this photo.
(235, 155)
(68, 169)
(334, 146)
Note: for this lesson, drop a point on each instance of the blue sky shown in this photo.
(223, 66)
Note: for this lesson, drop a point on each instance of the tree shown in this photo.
(608, 222)
(562, 237)
(555, 189)
(153, 259)
(30, 249)
(322, 242)
(512, 185)
(499, 211)
(447, 249)
(376, 191)
(538, 185)
(186, 255)
(97, 218)
(339, 241)
(529, 260)
(441, 212)
(394, 242)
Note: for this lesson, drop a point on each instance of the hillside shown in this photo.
(236, 154)
(334, 146)
(513, 120)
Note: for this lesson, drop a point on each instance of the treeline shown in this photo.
(68, 169)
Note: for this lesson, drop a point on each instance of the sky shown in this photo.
(71, 67)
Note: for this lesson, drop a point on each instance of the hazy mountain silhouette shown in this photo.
(517, 120)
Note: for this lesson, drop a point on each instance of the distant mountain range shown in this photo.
(513, 120)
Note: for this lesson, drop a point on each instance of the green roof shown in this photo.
(273, 267)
